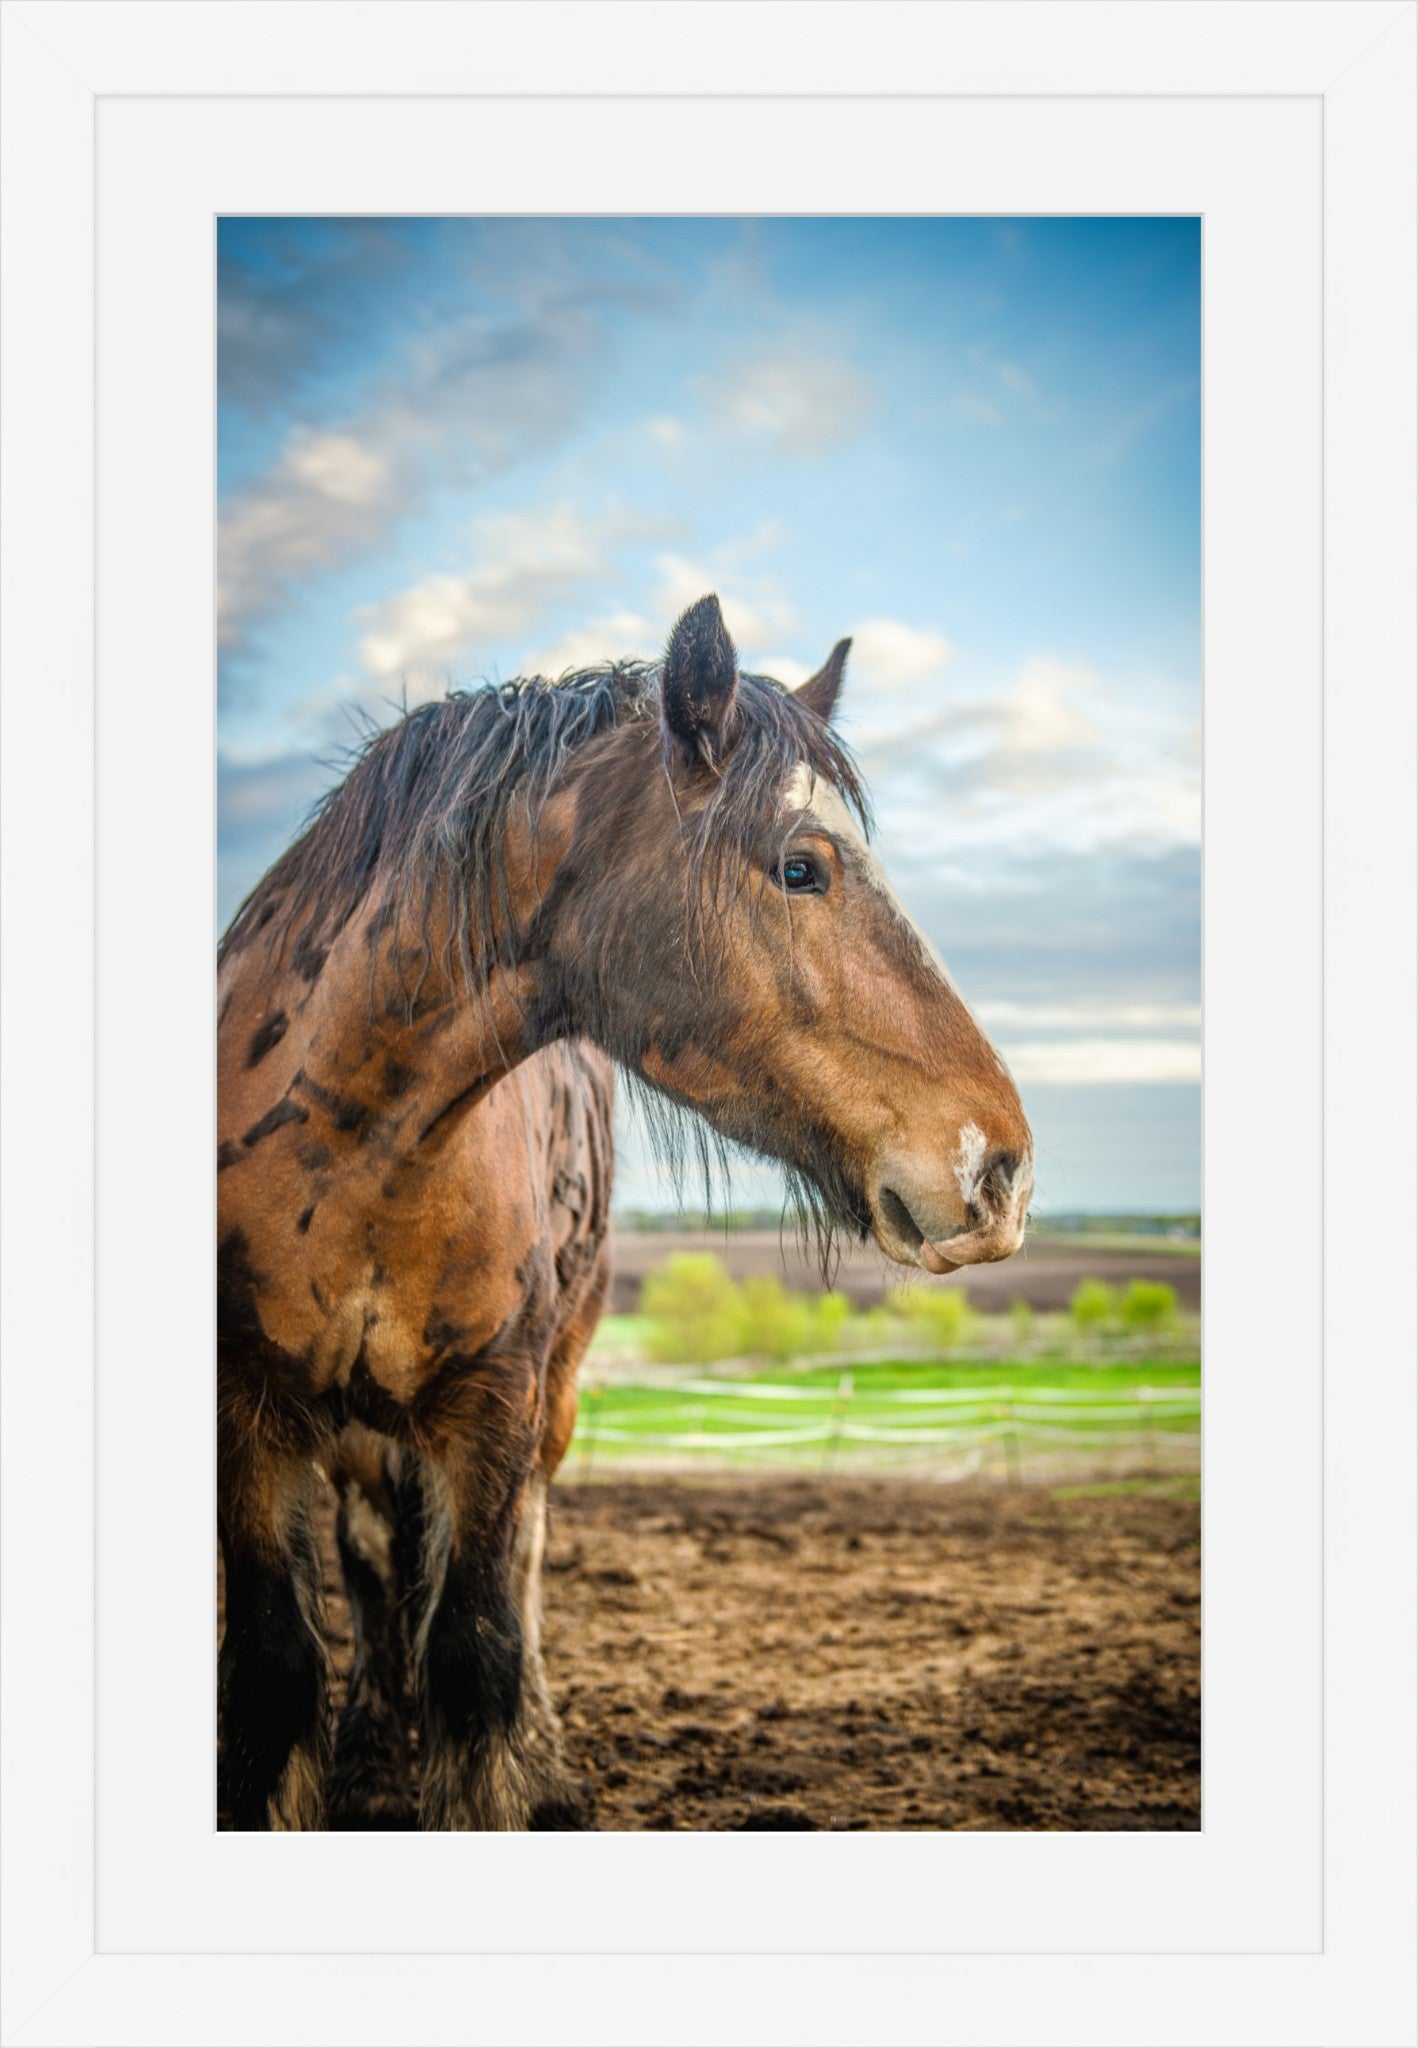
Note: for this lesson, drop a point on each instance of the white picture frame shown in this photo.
(1290, 126)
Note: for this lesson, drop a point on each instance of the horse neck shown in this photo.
(401, 1032)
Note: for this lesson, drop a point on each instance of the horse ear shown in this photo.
(701, 681)
(820, 692)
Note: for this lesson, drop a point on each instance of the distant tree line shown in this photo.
(1115, 1223)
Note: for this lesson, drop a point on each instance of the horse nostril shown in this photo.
(997, 1175)
(900, 1217)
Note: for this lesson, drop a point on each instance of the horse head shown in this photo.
(718, 922)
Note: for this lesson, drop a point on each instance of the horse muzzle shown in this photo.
(1000, 1239)
(976, 1223)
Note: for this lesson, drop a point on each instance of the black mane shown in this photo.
(426, 802)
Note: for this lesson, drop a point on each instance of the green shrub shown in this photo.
(831, 1319)
(1149, 1307)
(696, 1312)
(1093, 1308)
(776, 1324)
(874, 1329)
(1021, 1322)
(938, 1315)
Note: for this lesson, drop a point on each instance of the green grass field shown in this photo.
(1005, 1413)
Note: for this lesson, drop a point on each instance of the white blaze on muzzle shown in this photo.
(969, 1161)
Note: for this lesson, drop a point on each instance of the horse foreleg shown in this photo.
(371, 1780)
(556, 1801)
(272, 1666)
(559, 1802)
(489, 1753)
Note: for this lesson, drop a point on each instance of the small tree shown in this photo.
(1093, 1308)
(776, 1324)
(831, 1314)
(1149, 1307)
(695, 1310)
(1021, 1321)
(941, 1315)
(873, 1329)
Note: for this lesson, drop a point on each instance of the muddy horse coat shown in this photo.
(661, 869)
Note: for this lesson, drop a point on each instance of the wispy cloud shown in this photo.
(533, 564)
(995, 389)
(467, 402)
(757, 609)
(1121, 437)
(666, 431)
(893, 656)
(797, 400)
(1055, 755)
(523, 564)
(329, 495)
(1048, 929)
(1112, 1062)
(294, 302)
(1086, 1044)
(1095, 1016)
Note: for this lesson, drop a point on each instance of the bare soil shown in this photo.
(877, 1653)
(778, 1653)
(1044, 1274)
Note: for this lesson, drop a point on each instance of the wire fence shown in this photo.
(958, 1431)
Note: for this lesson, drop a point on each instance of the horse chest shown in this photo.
(383, 1303)
(394, 1332)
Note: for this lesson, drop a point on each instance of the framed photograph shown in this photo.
(354, 352)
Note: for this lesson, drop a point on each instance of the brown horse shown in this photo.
(659, 868)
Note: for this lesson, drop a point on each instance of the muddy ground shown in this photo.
(877, 1653)
(871, 1653)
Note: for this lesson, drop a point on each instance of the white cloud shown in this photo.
(1049, 716)
(999, 390)
(756, 608)
(523, 564)
(529, 564)
(1008, 1016)
(1082, 1062)
(470, 399)
(1096, 1042)
(607, 638)
(785, 669)
(328, 493)
(894, 656)
(1134, 425)
(1057, 756)
(885, 653)
(1016, 380)
(666, 432)
(799, 400)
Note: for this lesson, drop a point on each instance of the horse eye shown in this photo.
(798, 875)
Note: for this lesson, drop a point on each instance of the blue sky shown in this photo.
(459, 449)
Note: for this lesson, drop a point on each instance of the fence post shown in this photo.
(1145, 1397)
(839, 1409)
